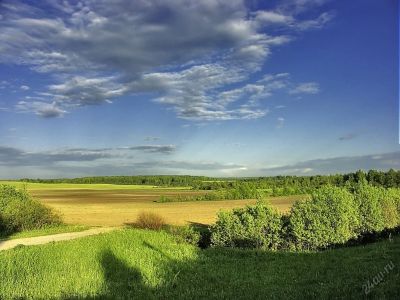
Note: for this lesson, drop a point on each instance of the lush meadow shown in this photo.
(140, 264)
(336, 242)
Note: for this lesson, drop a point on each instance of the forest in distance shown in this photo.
(274, 185)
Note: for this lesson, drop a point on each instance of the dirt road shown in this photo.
(9, 244)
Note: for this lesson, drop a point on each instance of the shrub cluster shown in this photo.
(184, 234)
(150, 220)
(256, 226)
(19, 211)
(331, 216)
(237, 193)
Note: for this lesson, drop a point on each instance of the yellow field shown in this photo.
(106, 205)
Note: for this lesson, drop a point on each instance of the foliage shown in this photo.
(369, 200)
(257, 226)
(390, 208)
(328, 218)
(269, 186)
(150, 220)
(242, 191)
(185, 234)
(19, 211)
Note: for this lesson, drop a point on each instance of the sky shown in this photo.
(217, 88)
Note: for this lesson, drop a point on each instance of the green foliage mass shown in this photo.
(328, 218)
(274, 185)
(331, 216)
(19, 211)
(257, 226)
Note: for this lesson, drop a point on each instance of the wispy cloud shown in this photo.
(338, 165)
(184, 54)
(280, 122)
(349, 136)
(151, 138)
(305, 88)
(17, 157)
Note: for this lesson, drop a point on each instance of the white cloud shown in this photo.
(266, 17)
(42, 109)
(183, 53)
(24, 87)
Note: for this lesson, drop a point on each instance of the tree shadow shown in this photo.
(217, 273)
(120, 280)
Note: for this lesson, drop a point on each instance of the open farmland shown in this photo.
(113, 205)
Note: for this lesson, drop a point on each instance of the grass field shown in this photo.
(114, 205)
(139, 264)
(72, 186)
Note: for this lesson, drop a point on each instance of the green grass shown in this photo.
(66, 186)
(139, 264)
(46, 231)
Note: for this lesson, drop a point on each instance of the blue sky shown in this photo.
(219, 88)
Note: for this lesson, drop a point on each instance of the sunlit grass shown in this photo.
(139, 264)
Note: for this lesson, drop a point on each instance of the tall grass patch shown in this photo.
(150, 220)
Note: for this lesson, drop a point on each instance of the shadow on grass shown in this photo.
(232, 273)
(120, 280)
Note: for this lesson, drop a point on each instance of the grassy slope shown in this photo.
(46, 231)
(140, 264)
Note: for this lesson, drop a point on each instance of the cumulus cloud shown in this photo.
(24, 87)
(184, 54)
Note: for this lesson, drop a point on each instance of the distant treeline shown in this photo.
(158, 180)
(275, 185)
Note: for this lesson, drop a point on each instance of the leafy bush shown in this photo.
(150, 220)
(186, 234)
(391, 208)
(329, 217)
(3, 230)
(19, 211)
(257, 226)
(369, 200)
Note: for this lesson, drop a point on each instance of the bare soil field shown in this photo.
(115, 207)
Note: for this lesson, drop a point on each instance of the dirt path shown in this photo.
(38, 240)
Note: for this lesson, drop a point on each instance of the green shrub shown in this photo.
(19, 211)
(391, 208)
(3, 229)
(185, 234)
(369, 200)
(329, 217)
(257, 226)
(150, 220)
